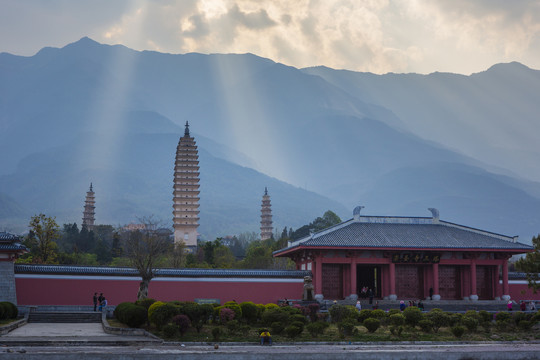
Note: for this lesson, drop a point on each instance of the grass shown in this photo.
(4, 322)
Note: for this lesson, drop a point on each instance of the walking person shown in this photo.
(95, 299)
(370, 295)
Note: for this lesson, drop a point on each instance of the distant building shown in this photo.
(186, 191)
(10, 249)
(89, 210)
(406, 258)
(266, 217)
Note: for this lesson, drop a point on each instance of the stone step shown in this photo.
(64, 317)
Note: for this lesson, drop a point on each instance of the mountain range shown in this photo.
(318, 138)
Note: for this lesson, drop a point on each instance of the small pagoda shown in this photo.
(266, 216)
(89, 213)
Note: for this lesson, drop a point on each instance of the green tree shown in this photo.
(43, 232)
(530, 264)
(223, 258)
(328, 219)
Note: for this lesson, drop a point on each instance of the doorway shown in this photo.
(368, 276)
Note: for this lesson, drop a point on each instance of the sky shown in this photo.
(379, 36)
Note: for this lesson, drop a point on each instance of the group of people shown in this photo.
(366, 292)
(100, 301)
(522, 305)
(419, 304)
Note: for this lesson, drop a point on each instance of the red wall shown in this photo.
(79, 291)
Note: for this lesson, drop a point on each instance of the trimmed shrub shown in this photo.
(271, 306)
(378, 314)
(397, 319)
(413, 315)
(234, 307)
(299, 318)
(182, 322)
(470, 323)
(485, 316)
(153, 307)
(135, 316)
(372, 324)
(363, 315)
(396, 330)
(291, 310)
(299, 324)
(393, 311)
(293, 331)
(226, 314)
(250, 312)
(454, 319)
(438, 318)
(520, 316)
(340, 313)
(277, 328)
(10, 310)
(261, 308)
(317, 328)
(216, 333)
(274, 315)
(145, 303)
(458, 331)
(503, 320)
(162, 314)
(426, 325)
(472, 314)
(347, 327)
(525, 325)
(232, 326)
(2, 312)
(170, 330)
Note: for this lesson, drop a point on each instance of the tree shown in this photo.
(328, 219)
(145, 250)
(530, 264)
(43, 232)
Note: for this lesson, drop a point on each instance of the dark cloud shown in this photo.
(253, 20)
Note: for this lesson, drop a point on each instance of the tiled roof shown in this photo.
(400, 233)
(10, 247)
(7, 237)
(122, 271)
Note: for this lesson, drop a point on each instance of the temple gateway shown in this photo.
(406, 258)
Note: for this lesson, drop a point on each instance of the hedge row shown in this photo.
(8, 310)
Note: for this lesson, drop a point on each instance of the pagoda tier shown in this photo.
(186, 191)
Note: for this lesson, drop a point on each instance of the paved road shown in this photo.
(278, 352)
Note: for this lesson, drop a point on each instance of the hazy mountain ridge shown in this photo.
(334, 132)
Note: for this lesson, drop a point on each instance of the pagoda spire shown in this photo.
(186, 131)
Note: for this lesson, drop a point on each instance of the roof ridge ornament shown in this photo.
(435, 214)
(356, 212)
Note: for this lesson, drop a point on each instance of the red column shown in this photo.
(392, 274)
(436, 282)
(318, 275)
(473, 295)
(506, 290)
(353, 277)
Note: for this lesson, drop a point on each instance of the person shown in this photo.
(370, 295)
(95, 301)
(509, 305)
(402, 305)
(363, 293)
(103, 304)
(100, 298)
(430, 293)
(532, 306)
(522, 306)
(376, 305)
(266, 337)
(420, 305)
(358, 305)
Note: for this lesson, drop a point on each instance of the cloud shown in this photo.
(365, 35)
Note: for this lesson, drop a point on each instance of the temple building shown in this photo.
(266, 216)
(186, 191)
(406, 258)
(89, 210)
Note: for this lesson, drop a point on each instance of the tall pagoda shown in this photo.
(266, 216)
(89, 210)
(186, 191)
